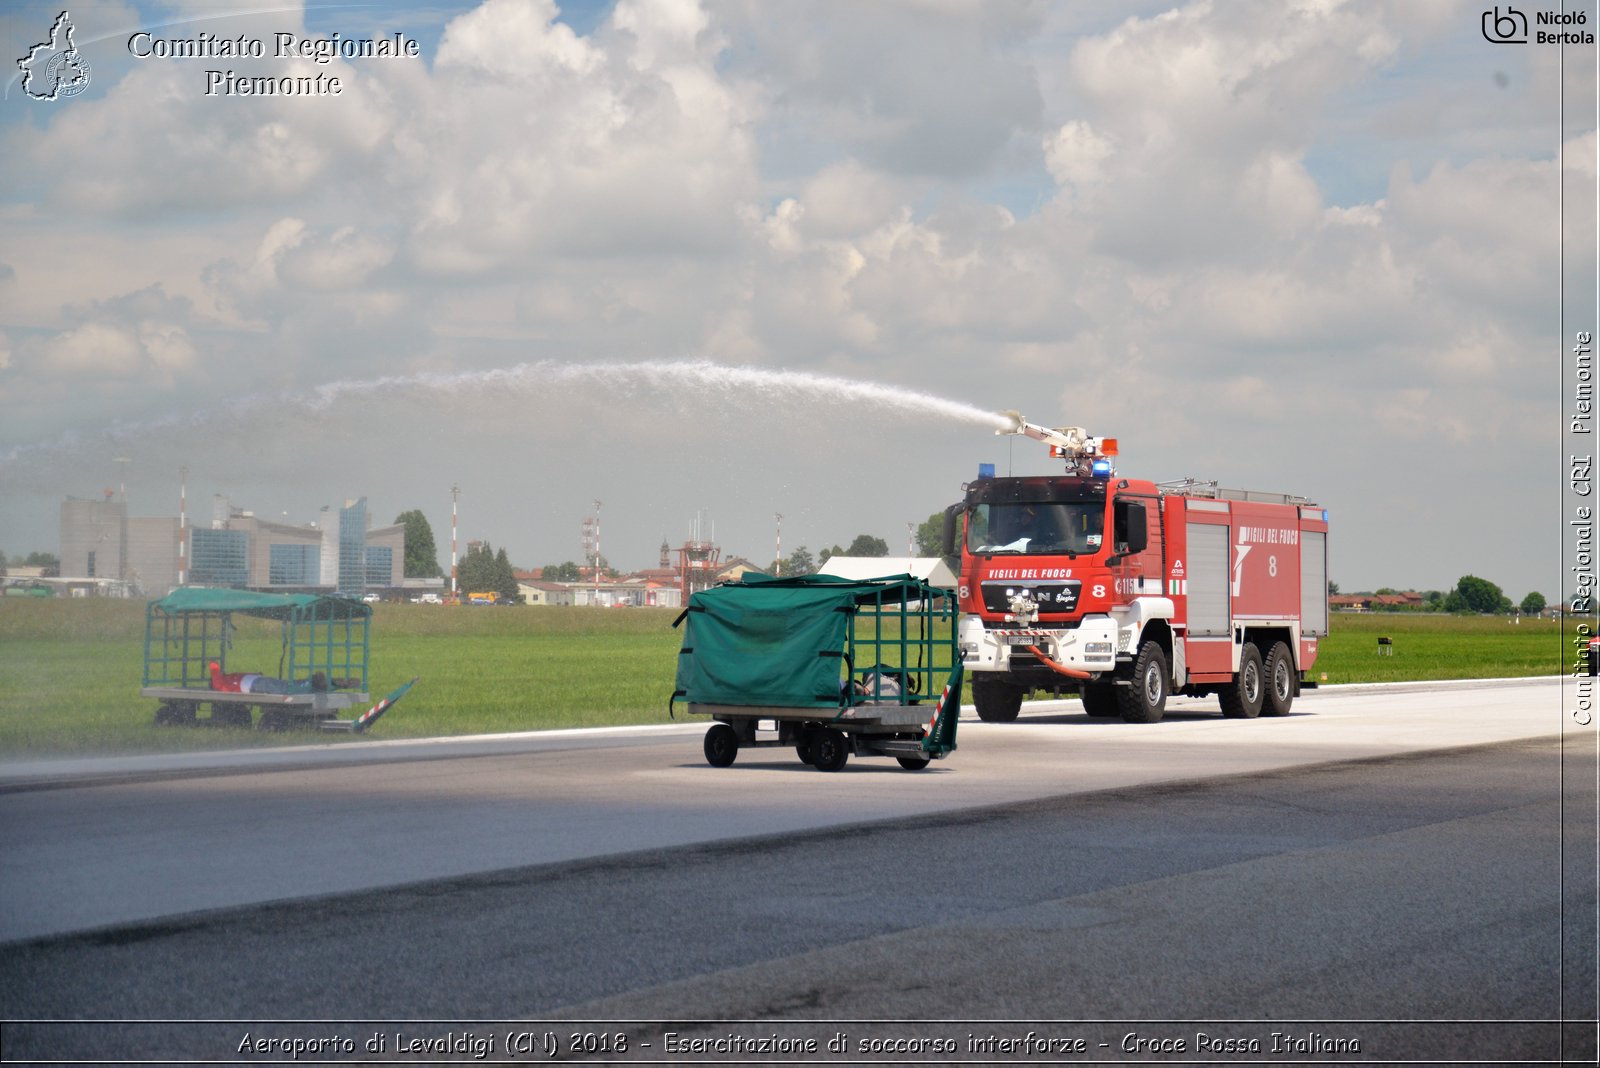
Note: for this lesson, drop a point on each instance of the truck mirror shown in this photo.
(950, 514)
(1131, 530)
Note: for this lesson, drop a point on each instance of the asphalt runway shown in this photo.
(1409, 869)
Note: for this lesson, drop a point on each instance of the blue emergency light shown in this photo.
(986, 470)
(1101, 469)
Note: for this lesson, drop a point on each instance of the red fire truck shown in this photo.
(1128, 591)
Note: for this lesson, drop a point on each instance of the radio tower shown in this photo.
(183, 526)
(455, 494)
(591, 547)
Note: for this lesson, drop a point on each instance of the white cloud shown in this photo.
(344, 259)
(918, 89)
(518, 40)
(1076, 154)
(140, 338)
(95, 349)
(847, 199)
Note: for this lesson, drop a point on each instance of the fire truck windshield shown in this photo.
(1036, 527)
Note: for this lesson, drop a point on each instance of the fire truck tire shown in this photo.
(722, 745)
(831, 748)
(913, 763)
(1146, 700)
(1279, 674)
(1244, 696)
(995, 700)
(1099, 700)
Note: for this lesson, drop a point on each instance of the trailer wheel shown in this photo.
(1242, 698)
(1146, 700)
(175, 714)
(805, 746)
(831, 749)
(1099, 700)
(722, 745)
(273, 719)
(1280, 681)
(997, 701)
(230, 715)
(913, 763)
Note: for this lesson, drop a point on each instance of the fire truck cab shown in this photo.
(1126, 591)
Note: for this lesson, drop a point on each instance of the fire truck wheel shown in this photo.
(1242, 699)
(831, 748)
(913, 763)
(1279, 673)
(1146, 700)
(1099, 700)
(996, 701)
(722, 745)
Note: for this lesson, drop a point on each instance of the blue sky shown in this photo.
(1274, 244)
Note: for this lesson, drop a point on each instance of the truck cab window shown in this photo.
(1036, 527)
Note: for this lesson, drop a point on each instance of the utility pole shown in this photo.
(122, 538)
(777, 566)
(183, 526)
(597, 556)
(455, 495)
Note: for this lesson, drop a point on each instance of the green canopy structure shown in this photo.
(262, 605)
(836, 665)
(791, 642)
(191, 627)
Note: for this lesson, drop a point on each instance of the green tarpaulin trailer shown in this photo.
(837, 667)
(321, 669)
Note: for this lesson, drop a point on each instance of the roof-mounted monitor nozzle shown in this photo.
(1086, 455)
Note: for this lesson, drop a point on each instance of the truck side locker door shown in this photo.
(1210, 576)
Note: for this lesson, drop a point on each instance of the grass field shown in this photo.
(70, 669)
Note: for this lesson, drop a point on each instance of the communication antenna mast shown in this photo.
(122, 540)
(183, 526)
(591, 547)
(455, 495)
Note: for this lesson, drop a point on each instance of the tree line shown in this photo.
(1471, 595)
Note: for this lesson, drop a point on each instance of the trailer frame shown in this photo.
(193, 627)
(887, 708)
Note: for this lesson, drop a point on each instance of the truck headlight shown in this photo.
(1097, 649)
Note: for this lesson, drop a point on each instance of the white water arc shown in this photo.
(731, 387)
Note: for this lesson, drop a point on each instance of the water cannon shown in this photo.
(1084, 455)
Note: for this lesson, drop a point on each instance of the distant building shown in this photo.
(535, 590)
(341, 552)
(736, 569)
(1367, 602)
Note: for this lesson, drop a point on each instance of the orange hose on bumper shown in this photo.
(1071, 673)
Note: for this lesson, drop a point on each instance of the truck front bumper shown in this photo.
(1090, 646)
